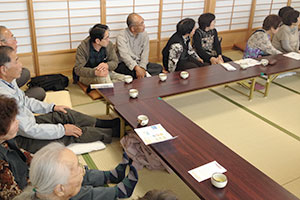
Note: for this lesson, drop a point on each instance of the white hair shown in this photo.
(46, 170)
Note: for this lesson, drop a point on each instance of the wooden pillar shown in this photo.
(33, 37)
(289, 2)
(210, 6)
(158, 53)
(251, 18)
(103, 11)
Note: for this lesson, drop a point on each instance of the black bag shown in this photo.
(49, 82)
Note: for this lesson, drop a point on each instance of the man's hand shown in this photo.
(102, 66)
(101, 70)
(220, 59)
(200, 60)
(213, 60)
(140, 72)
(61, 108)
(72, 130)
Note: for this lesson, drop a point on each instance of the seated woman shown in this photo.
(178, 53)
(55, 173)
(259, 43)
(206, 41)
(287, 38)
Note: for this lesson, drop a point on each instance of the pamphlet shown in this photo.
(153, 134)
(293, 55)
(102, 85)
(206, 171)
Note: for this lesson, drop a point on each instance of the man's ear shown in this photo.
(3, 69)
(97, 41)
(59, 190)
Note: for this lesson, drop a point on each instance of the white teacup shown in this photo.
(264, 62)
(163, 76)
(143, 120)
(128, 78)
(133, 93)
(219, 180)
(184, 74)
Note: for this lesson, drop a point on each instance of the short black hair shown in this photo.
(4, 54)
(185, 26)
(290, 17)
(205, 20)
(98, 31)
(284, 10)
(8, 111)
(271, 21)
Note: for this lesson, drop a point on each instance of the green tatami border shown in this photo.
(256, 115)
(89, 161)
(285, 87)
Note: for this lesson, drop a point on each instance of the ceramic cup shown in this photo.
(184, 74)
(264, 62)
(163, 76)
(133, 93)
(219, 180)
(143, 120)
(128, 78)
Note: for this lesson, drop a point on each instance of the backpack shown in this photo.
(53, 82)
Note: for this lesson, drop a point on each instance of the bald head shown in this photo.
(7, 38)
(135, 23)
(2, 30)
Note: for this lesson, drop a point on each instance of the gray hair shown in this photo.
(131, 19)
(2, 29)
(46, 170)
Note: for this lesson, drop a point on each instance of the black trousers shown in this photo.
(152, 68)
(225, 58)
(190, 63)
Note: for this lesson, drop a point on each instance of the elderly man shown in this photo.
(8, 39)
(133, 49)
(96, 58)
(56, 122)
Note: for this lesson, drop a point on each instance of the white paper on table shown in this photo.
(248, 61)
(148, 75)
(293, 55)
(153, 134)
(206, 171)
(102, 85)
(228, 67)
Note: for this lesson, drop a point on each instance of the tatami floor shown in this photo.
(264, 131)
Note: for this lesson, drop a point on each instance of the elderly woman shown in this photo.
(14, 162)
(259, 43)
(287, 38)
(55, 173)
(206, 40)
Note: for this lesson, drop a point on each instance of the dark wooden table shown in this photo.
(195, 147)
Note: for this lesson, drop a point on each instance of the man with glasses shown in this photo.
(133, 49)
(8, 39)
(96, 58)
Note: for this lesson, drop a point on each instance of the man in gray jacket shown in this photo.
(96, 58)
(56, 123)
(133, 49)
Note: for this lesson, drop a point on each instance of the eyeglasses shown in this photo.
(11, 38)
(82, 168)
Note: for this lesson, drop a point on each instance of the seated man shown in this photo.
(96, 58)
(58, 122)
(55, 173)
(8, 39)
(178, 53)
(133, 49)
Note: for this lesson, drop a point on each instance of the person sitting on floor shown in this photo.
(14, 162)
(55, 122)
(96, 58)
(133, 49)
(55, 173)
(287, 38)
(259, 43)
(178, 53)
(206, 41)
(8, 39)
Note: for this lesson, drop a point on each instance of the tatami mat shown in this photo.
(290, 82)
(294, 187)
(263, 145)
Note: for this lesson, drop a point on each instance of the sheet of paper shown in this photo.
(206, 171)
(248, 61)
(102, 85)
(153, 134)
(293, 55)
(228, 67)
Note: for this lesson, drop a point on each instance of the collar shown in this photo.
(131, 34)
(186, 39)
(8, 84)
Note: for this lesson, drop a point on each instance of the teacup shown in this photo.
(133, 93)
(128, 78)
(219, 180)
(163, 76)
(264, 62)
(184, 74)
(143, 120)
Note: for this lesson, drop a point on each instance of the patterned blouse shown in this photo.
(259, 44)
(9, 188)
